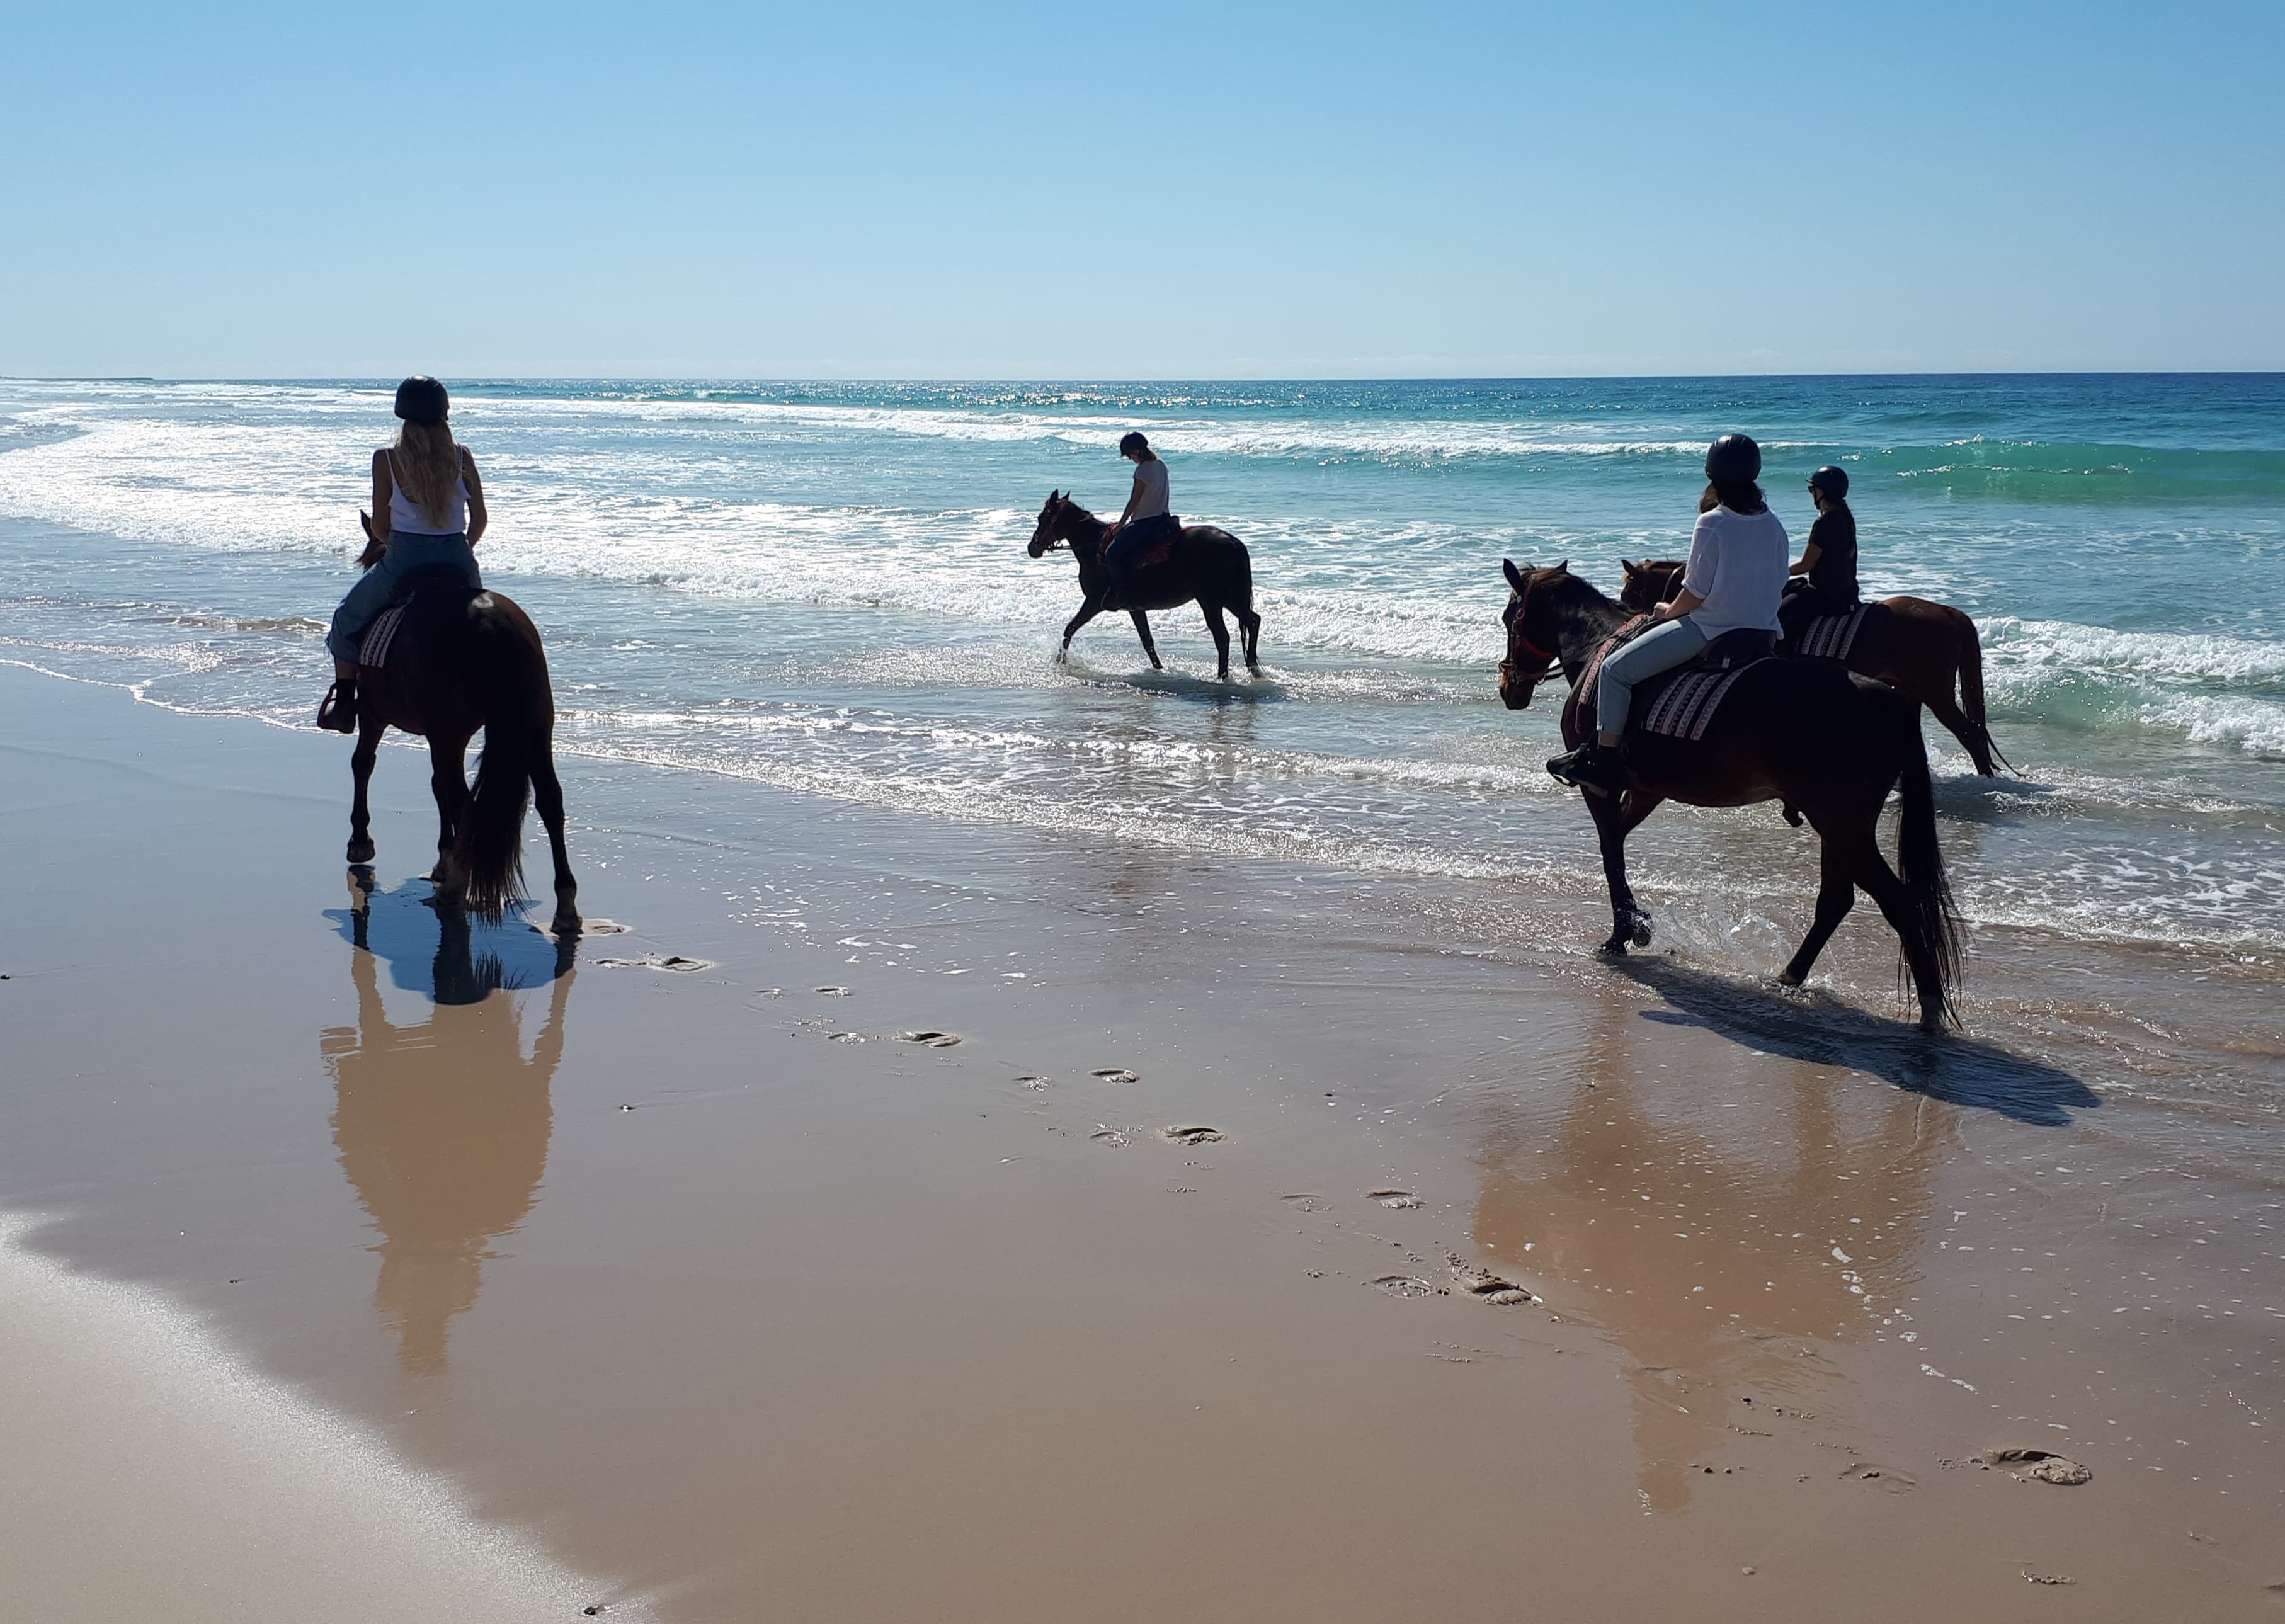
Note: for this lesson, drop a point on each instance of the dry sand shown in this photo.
(347, 1281)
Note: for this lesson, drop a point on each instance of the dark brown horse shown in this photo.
(1204, 562)
(1918, 647)
(462, 660)
(1825, 743)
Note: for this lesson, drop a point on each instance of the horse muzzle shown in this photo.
(1514, 688)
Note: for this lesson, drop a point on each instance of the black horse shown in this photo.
(461, 660)
(1203, 562)
(1825, 743)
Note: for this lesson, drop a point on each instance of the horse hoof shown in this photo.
(1640, 935)
(361, 850)
(1616, 948)
(1787, 978)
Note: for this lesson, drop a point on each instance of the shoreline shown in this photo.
(724, 1308)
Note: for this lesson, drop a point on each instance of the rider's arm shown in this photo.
(381, 487)
(1682, 603)
(1704, 566)
(1133, 501)
(1810, 554)
(478, 516)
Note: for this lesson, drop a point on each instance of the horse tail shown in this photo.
(1971, 690)
(1929, 908)
(519, 717)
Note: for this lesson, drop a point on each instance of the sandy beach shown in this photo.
(901, 1218)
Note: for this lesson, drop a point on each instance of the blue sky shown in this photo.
(1139, 191)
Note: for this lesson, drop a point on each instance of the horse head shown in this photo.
(1053, 528)
(1531, 631)
(1649, 584)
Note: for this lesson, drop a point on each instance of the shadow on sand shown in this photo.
(1955, 1069)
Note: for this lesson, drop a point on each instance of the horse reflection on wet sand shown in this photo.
(442, 1125)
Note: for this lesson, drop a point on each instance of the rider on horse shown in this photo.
(1146, 519)
(1824, 578)
(427, 513)
(1735, 574)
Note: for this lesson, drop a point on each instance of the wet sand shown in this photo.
(703, 1292)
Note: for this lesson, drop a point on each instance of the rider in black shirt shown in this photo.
(1824, 579)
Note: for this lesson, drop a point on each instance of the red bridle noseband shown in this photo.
(1524, 656)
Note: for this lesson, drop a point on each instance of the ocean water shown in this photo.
(824, 587)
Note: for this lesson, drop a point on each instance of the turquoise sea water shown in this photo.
(824, 586)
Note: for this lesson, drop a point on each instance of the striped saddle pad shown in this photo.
(1831, 637)
(1685, 707)
(372, 648)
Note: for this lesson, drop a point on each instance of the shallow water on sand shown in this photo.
(823, 587)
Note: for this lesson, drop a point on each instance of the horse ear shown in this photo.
(1564, 568)
(1514, 576)
(1630, 567)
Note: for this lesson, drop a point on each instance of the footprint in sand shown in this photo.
(1884, 1477)
(1483, 1284)
(769, 991)
(833, 992)
(933, 1039)
(601, 927)
(1408, 1285)
(1117, 1074)
(2040, 1466)
(657, 961)
(1399, 1199)
(1307, 1202)
(845, 1037)
(1035, 1084)
(1110, 1137)
(1194, 1136)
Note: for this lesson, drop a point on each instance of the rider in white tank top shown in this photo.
(405, 517)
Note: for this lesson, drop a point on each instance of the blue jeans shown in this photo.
(406, 553)
(1135, 537)
(1661, 648)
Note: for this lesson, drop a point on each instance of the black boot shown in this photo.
(1591, 767)
(340, 711)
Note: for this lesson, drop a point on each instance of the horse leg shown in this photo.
(1252, 623)
(370, 727)
(1087, 611)
(1838, 862)
(448, 779)
(1615, 817)
(1221, 629)
(1970, 736)
(1882, 884)
(548, 795)
(1142, 630)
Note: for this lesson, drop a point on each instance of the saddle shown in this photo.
(1826, 637)
(1680, 703)
(372, 646)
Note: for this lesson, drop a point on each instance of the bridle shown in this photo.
(1056, 543)
(1524, 656)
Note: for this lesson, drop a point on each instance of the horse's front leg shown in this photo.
(1142, 630)
(448, 778)
(1087, 611)
(1615, 817)
(370, 727)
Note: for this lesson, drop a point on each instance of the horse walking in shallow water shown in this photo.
(1917, 647)
(1202, 561)
(1826, 743)
(458, 659)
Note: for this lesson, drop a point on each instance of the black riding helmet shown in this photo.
(1832, 481)
(1733, 460)
(422, 400)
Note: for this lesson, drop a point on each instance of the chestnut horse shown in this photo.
(1204, 562)
(463, 659)
(1918, 647)
(1826, 743)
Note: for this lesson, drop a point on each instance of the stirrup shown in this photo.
(339, 711)
(1590, 767)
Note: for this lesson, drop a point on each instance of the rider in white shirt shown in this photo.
(1739, 556)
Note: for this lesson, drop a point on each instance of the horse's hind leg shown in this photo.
(1142, 630)
(368, 749)
(1252, 624)
(1839, 862)
(1881, 882)
(548, 795)
(1221, 629)
(448, 778)
(1972, 738)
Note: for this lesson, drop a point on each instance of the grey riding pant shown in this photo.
(1661, 648)
(405, 553)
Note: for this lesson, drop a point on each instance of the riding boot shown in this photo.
(1592, 767)
(339, 710)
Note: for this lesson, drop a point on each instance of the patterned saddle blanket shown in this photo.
(372, 648)
(1680, 703)
(1831, 637)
